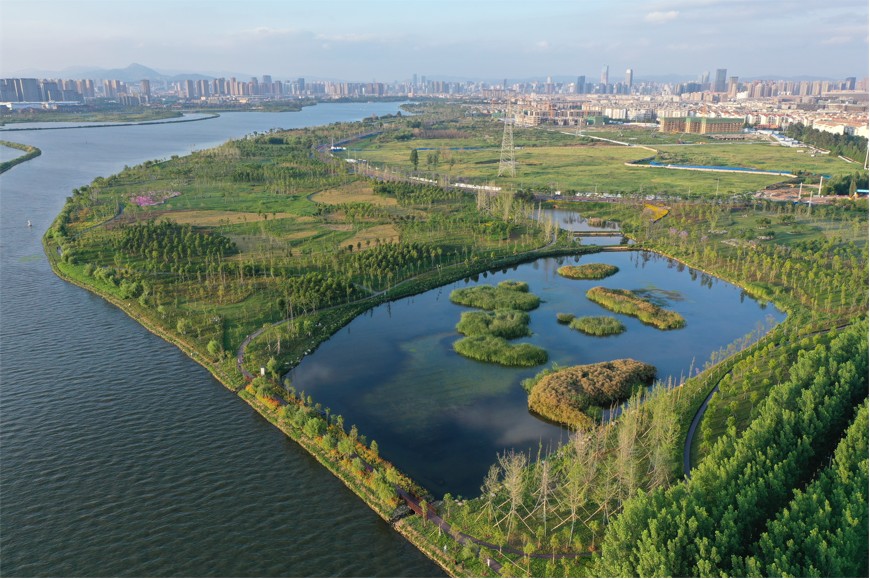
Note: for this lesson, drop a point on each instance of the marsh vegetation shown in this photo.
(597, 325)
(588, 271)
(574, 396)
(625, 302)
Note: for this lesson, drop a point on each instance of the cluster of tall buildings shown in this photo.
(34, 90)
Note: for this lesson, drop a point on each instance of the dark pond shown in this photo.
(443, 418)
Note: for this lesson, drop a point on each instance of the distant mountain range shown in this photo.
(136, 72)
(132, 73)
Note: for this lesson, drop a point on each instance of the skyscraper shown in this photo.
(629, 77)
(605, 75)
(580, 87)
(719, 85)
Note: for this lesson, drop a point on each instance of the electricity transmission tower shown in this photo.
(506, 163)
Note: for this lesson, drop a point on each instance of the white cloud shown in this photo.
(659, 17)
(836, 40)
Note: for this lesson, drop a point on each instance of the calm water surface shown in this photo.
(443, 418)
(118, 455)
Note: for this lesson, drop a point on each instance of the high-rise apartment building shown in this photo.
(27, 90)
(719, 85)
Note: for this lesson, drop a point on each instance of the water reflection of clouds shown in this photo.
(512, 426)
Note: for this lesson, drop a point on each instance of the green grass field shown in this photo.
(558, 161)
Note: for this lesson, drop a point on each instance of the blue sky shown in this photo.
(390, 40)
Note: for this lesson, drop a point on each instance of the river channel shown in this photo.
(122, 457)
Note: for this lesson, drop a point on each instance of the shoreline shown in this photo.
(30, 152)
(109, 124)
(399, 525)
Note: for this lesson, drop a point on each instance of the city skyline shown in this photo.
(383, 40)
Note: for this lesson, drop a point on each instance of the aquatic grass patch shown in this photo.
(626, 302)
(570, 395)
(587, 271)
(506, 324)
(564, 318)
(497, 350)
(598, 325)
(509, 295)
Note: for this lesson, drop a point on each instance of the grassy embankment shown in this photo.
(95, 116)
(576, 395)
(29, 153)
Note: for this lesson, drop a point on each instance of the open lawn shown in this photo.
(355, 192)
(210, 218)
(581, 168)
(570, 165)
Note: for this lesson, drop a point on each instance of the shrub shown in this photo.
(598, 325)
(587, 271)
(571, 394)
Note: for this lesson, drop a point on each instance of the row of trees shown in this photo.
(311, 291)
(823, 529)
(847, 145)
(563, 501)
(410, 194)
(826, 276)
(707, 525)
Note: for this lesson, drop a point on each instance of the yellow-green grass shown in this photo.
(587, 271)
(355, 192)
(597, 325)
(506, 324)
(580, 168)
(503, 297)
(214, 218)
(497, 350)
(762, 156)
(625, 302)
(386, 233)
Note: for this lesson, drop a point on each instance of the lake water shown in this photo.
(443, 418)
(119, 456)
